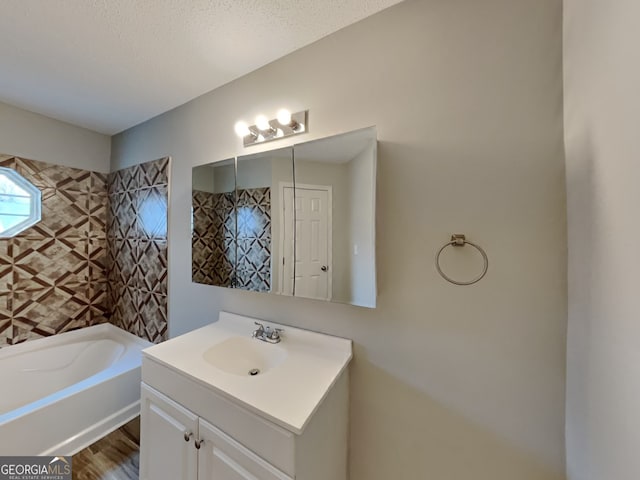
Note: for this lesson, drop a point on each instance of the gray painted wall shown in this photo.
(447, 382)
(29, 135)
(601, 79)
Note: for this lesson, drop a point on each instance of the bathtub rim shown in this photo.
(94, 332)
(126, 369)
(72, 336)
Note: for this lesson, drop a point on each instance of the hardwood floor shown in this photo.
(115, 457)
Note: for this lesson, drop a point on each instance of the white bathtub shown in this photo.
(62, 393)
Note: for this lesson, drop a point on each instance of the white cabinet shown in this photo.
(225, 441)
(222, 458)
(202, 420)
(168, 430)
(177, 444)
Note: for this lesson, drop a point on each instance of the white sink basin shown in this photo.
(295, 374)
(245, 356)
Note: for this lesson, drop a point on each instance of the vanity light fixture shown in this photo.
(242, 129)
(264, 130)
(286, 120)
(263, 124)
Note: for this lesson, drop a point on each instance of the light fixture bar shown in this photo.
(298, 124)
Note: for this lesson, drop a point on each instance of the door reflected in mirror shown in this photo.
(335, 218)
(256, 227)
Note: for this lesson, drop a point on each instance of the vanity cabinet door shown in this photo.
(167, 435)
(222, 458)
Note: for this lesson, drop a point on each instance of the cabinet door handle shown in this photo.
(324, 268)
(199, 443)
(187, 436)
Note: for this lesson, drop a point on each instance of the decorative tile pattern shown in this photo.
(152, 322)
(213, 240)
(98, 303)
(6, 325)
(6, 266)
(98, 211)
(153, 173)
(53, 275)
(231, 244)
(136, 253)
(98, 184)
(254, 264)
(127, 307)
(123, 210)
(254, 213)
(254, 239)
(8, 161)
(64, 214)
(49, 262)
(122, 264)
(47, 175)
(152, 268)
(50, 311)
(99, 254)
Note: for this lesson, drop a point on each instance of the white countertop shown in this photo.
(287, 394)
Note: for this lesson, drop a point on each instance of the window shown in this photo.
(19, 203)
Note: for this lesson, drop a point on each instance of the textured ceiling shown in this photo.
(107, 65)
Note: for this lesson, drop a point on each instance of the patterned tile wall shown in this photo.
(137, 249)
(215, 243)
(52, 275)
(254, 239)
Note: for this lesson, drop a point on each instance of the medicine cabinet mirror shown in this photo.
(256, 226)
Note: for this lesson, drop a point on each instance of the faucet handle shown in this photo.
(260, 330)
(275, 333)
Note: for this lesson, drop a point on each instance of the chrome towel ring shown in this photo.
(459, 240)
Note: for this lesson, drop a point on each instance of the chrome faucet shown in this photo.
(267, 334)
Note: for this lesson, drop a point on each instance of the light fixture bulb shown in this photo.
(242, 129)
(262, 123)
(284, 117)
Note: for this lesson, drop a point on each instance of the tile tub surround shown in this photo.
(254, 239)
(217, 241)
(137, 249)
(213, 239)
(53, 275)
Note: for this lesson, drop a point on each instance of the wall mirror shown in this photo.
(260, 238)
(335, 192)
(213, 224)
(256, 226)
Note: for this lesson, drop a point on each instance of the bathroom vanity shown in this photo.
(221, 403)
